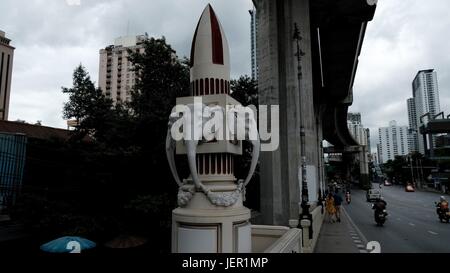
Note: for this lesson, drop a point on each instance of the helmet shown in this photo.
(442, 198)
(381, 198)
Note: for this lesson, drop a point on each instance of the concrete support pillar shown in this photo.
(431, 145)
(424, 141)
(364, 167)
(278, 85)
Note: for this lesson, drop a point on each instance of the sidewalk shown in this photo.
(339, 237)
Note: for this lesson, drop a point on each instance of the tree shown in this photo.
(397, 170)
(245, 90)
(87, 105)
(161, 77)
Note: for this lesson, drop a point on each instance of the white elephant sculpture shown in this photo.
(193, 135)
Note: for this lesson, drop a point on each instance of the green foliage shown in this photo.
(154, 210)
(89, 189)
(161, 77)
(402, 168)
(87, 105)
(245, 90)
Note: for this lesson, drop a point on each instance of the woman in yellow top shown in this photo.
(331, 209)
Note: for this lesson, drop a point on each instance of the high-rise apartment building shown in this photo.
(393, 141)
(354, 118)
(6, 64)
(253, 36)
(116, 78)
(357, 130)
(413, 140)
(359, 133)
(426, 99)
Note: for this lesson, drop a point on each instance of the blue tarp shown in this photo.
(68, 244)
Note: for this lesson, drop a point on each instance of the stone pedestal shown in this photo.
(202, 227)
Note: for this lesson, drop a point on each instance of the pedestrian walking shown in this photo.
(331, 209)
(337, 204)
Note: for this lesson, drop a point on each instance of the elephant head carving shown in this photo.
(195, 119)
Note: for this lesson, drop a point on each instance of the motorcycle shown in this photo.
(443, 212)
(348, 198)
(380, 216)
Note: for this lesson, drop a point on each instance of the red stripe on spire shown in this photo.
(217, 46)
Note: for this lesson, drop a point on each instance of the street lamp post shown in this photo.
(305, 214)
(413, 180)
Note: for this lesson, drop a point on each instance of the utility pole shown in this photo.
(305, 214)
(422, 180)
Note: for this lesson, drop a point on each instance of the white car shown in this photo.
(373, 194)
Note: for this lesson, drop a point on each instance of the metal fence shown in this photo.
(12, 162)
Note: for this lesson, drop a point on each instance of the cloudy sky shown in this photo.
(51, 37)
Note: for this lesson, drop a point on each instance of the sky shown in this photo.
(53, 36)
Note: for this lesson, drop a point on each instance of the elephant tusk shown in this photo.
(170, 149)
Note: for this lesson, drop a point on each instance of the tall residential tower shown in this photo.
(413, 138)
(393, 141)
(426, 100)
(253, 35)
(116, 78)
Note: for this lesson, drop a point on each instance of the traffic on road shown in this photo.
(412, 221)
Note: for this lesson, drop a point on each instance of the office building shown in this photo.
(6, 65)
(357, 130)
(426, 100)
(393, 141)
(116, 78)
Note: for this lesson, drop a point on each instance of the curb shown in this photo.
(357, 236)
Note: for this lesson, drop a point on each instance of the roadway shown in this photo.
(412, 225)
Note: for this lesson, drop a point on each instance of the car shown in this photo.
(409, 188)
(373, 194)
(387, 183)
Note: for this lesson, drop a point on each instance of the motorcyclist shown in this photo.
(442, 205)
(348, 197)
(380, 204)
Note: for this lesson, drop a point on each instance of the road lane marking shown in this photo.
(432, 232)
(411, 224)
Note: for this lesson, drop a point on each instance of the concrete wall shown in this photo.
(276, 239)
(317, 225)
